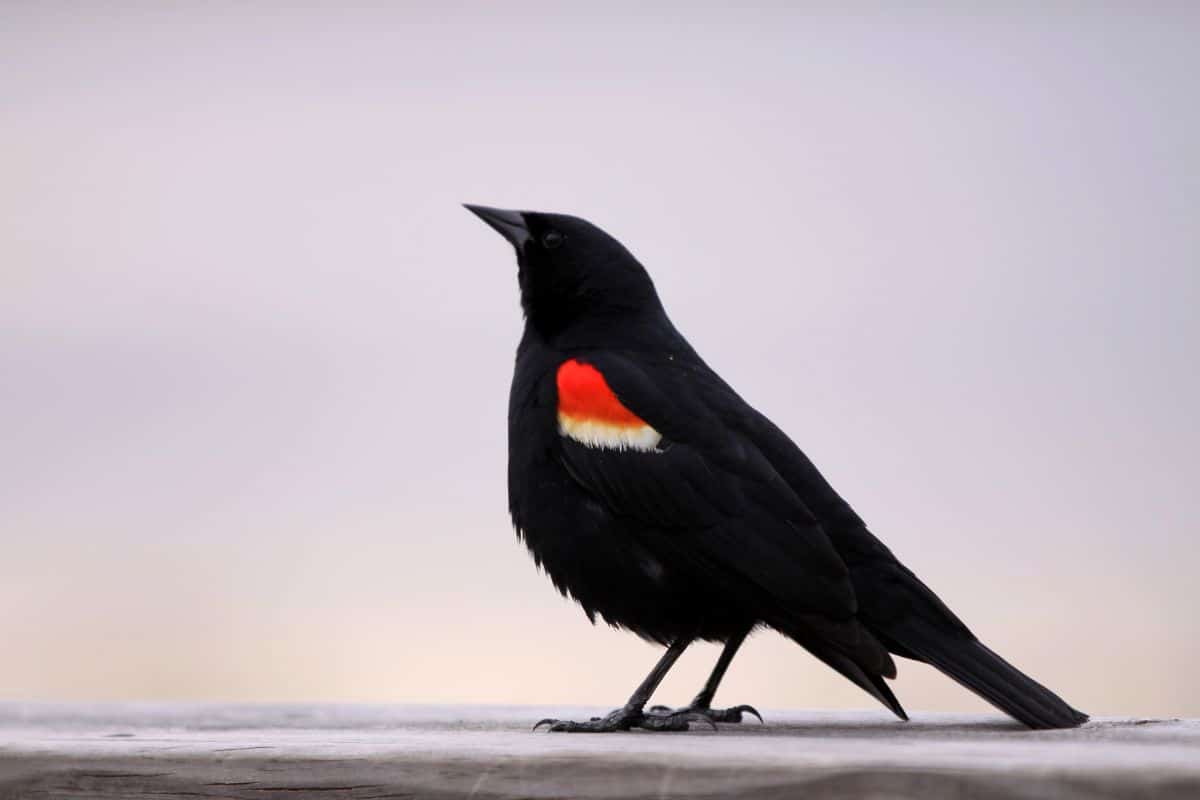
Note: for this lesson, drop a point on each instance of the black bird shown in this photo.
(661, 501)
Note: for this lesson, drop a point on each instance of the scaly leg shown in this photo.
(702, 703)
(631, 714)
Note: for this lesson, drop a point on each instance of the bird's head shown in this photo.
(569, 270)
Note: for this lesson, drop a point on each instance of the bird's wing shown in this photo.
(886, 589)
(655, 449)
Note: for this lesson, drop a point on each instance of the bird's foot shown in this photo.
(627, 718)
(731, 714)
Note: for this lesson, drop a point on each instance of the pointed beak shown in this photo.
(509, 224)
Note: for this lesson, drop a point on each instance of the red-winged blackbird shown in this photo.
(661, 501)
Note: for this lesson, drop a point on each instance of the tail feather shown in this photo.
(872, 684)
(976, 667)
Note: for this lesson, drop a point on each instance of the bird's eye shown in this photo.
(552, 239)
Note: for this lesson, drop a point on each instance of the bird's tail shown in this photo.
(971, 663)
(872, 684)
(851, 649)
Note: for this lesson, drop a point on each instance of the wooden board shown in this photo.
(291, 751)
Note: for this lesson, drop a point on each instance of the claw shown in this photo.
(625, 718)
(750, 710)
(711, 715)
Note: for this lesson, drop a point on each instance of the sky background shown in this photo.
(254, 357)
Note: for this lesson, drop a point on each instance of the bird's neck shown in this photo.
(619, 330)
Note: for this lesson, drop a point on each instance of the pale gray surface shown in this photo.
(432, 751)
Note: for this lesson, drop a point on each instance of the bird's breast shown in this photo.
(590, 413)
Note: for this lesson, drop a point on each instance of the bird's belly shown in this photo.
(600, 561)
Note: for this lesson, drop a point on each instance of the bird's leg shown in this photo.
(702, 703)
(631, 715)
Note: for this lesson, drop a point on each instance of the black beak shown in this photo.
(509, 224)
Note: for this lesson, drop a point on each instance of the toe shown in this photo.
(676, 721)
(663, 722)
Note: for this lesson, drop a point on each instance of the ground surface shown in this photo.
(173, 751)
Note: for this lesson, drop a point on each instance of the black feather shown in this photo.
(976, 667)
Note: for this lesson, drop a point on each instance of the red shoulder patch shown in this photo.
(584, 394)
(589, 411)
